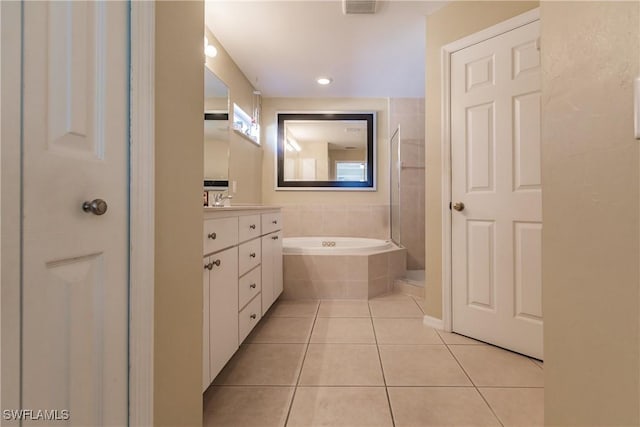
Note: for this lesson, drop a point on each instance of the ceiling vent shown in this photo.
(358, 6)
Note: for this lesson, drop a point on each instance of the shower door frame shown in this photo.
(399, 172)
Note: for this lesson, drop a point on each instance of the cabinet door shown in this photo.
(276, 254)
(271, 269)
(267, 273)
(206, 378)
(223, 309)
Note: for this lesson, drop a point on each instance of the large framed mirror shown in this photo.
(326, 151)
(216, 132)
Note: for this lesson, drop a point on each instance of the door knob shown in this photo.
(459, 206)
(96, 207)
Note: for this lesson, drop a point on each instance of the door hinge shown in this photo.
(449, 205)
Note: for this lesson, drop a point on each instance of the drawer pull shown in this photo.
(216, 263)
(254, 316)
(252, 226)
(274, 237)
(275, 221)
(252, 286)
(212, 236)
(208, 266)
(252, 254)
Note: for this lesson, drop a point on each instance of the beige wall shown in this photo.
(452, 22)
(179, 97)
(591, 248)
(269, 132)
(245, 157)
(10, 209)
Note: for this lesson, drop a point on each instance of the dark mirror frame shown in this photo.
(368, 185)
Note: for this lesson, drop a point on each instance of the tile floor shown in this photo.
(370, 363)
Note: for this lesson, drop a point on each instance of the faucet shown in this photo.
(219, 198)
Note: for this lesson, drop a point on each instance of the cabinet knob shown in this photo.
(274, 237)
(212, 236)
(254, 316)
(252, 286)
(252, 226)
(252, 254)
(96, 207)
(275, 221)
(216, 263)
(208, 266)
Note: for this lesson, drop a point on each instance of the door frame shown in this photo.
(141, 214)
(446, 52)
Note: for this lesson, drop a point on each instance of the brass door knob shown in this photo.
(459, 206)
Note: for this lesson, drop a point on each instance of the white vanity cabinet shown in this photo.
(271, 259)
(242, 249)
(222, 269)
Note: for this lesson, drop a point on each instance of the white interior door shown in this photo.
(75, 263)
(495, 158)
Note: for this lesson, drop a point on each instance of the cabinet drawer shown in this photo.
(271, 222)
(248, 318)
(219, 234)
(248, 286)
(249, 256)
(248, 227)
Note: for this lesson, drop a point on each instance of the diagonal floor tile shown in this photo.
(263, 364)
(492, 366)
(421, 365)
(290, 330)
(247, 406)
(516, 406)
(343, 330)
(340, 407)
(439, 406)
(342, 364)
(404, 331)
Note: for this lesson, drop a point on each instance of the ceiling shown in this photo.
(284, 46)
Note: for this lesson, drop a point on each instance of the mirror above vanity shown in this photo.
(325, 151)
(216, 132)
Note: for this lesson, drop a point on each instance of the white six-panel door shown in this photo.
(75, 263)
(495, 158)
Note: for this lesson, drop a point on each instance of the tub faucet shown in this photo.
(219, 198)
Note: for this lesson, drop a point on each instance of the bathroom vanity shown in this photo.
(242, 277)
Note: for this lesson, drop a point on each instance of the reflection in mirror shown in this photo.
(216, 132)
(326, 150)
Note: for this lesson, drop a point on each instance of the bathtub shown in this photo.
(333, 245)
(340, 267)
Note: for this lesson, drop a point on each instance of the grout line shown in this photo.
(475, 386)
(384, 379)
(304, 357)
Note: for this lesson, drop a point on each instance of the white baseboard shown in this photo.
(433, 322)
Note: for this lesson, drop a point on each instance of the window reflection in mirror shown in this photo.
(321, 150)
(216, 132)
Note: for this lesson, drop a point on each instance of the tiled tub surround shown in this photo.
(344, 276)
(370, 221)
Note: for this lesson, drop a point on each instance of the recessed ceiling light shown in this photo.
(324, 80)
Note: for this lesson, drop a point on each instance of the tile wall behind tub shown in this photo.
(370, 221)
